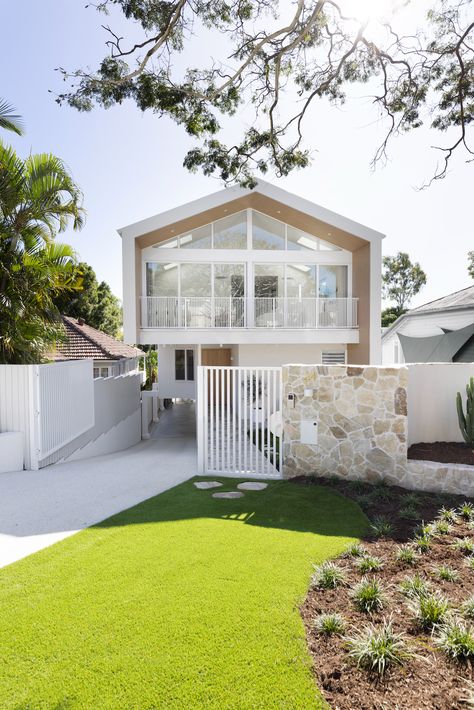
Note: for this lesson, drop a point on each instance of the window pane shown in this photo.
(301, 280)
(190, 365)
(179, 365)
(333, 281)
(269, 280)
(229, 280)
(267, 233)
(301, 241)
(169, 244)
(231, 232)
(196, 280)
(161, 279)
(199, 238)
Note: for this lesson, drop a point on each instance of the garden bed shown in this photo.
(430, 678)
(442, 452)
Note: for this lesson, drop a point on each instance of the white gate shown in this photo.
(239, 421)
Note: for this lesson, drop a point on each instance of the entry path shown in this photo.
(38, 508)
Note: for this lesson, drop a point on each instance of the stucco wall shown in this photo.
(432, 388)
(362, 416)
(168, 386)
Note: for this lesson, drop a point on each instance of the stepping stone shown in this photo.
(229, 494)
(204, 485)
(252, 486)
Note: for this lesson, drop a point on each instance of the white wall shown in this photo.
(16, 414)
(123, 435)
(115, 400)
(432, 391)
(168, 386)
(423, 326)
(276, 355)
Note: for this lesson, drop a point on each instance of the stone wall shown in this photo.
(361, 413)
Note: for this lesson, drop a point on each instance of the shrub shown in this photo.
(377, 648)
(466, 421)
(464, 545)
(414, 587)
(381, 526)
(410, 499)
(365, 500)
(441, 527)
(355, 550)
(447, 574)
(358, 486)
(369, 563)
(422, 543)
(448, 514)
(466, 511)
(328, 576)
(467, 608)
(430, 609)
(423, 530)
(368, 595)
(409, 512)
(456, 639)
(470, 563)
(328, 624)
(382, 492)
(406, 555)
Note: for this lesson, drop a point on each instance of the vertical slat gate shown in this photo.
(240, 421)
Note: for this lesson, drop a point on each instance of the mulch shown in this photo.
(429, 681)
(443, 452)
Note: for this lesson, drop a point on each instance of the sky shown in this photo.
(129, 164)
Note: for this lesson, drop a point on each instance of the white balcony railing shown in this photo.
(228, 312)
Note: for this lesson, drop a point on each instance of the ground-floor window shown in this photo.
(184, 365)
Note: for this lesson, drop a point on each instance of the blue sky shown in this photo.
(129, 165)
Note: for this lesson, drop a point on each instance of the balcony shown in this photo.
(172, 312)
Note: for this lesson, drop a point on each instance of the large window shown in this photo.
(196, 280)
(161, 279)
(333, 281)
(184, 365)
(230, 232)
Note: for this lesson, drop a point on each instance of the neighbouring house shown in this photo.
(439, 331)
(252, 278)
(111, 357)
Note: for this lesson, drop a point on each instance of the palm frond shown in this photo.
(10, 121)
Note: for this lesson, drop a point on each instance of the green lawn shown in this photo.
(183, 601)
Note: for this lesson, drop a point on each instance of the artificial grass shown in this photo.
(184, 601)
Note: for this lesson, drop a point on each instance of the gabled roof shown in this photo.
(459, 300)
(266, 189)
(435, 348)
(87, 343)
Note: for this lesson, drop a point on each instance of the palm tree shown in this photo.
(8, 120)
(38, 199)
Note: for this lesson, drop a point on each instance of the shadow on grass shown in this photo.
(282, 505)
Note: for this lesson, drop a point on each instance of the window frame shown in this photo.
(188, 356)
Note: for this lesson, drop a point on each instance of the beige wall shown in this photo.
(359, 353)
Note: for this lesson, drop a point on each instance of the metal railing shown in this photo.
(228, 312)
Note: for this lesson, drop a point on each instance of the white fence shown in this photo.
(431, 393)
(60, 408)
(236, 410)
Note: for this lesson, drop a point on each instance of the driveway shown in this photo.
(38, 508)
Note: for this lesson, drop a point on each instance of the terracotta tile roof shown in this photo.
(87, 343)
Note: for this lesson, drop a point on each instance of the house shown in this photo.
(250, 277)
(111, 357)
(438, 331)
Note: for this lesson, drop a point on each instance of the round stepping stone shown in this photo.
(229, 494)
(204, 485)
(252, 486)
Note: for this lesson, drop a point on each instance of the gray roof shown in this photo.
(435, 348)
(458, 299)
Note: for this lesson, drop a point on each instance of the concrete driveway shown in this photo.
(38, 508)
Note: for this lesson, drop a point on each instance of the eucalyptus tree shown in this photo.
(38, 199)
(202, 62)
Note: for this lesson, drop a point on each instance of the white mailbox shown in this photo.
(309, 432)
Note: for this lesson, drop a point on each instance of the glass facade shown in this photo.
(230, 232)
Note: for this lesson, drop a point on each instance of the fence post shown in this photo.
(200, 418)
(34, 426)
